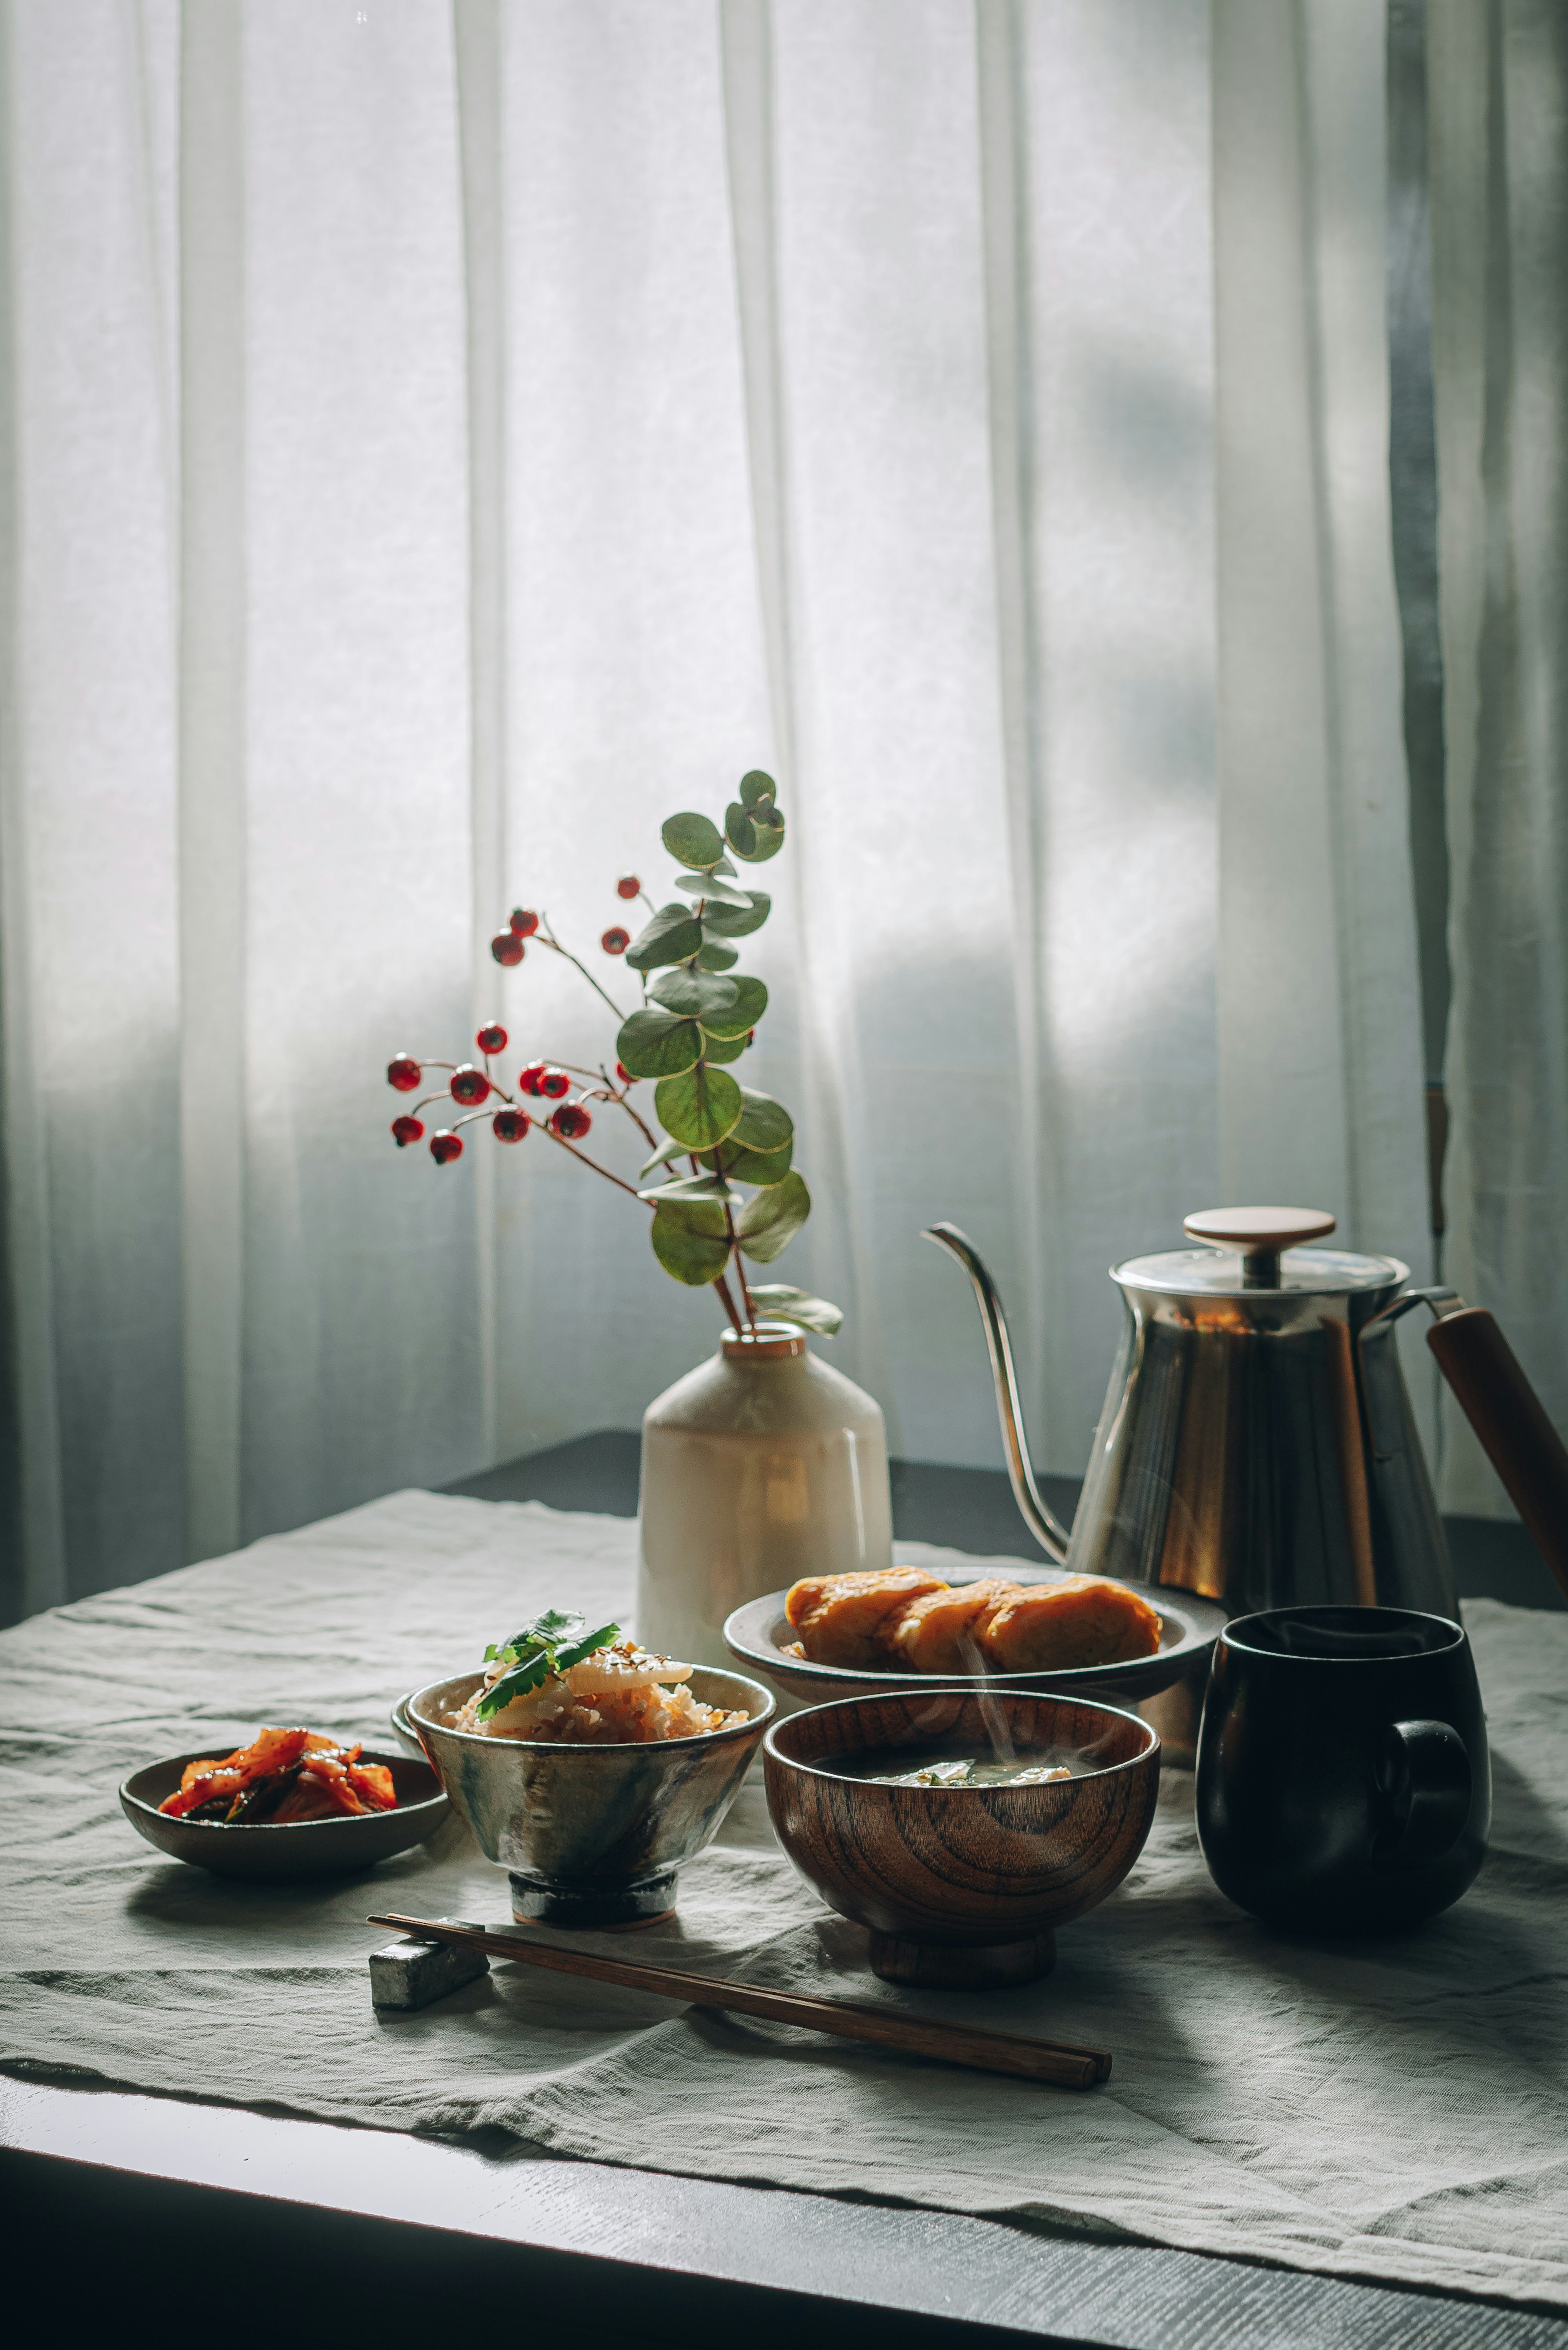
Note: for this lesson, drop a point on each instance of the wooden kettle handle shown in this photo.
(1505, 1412)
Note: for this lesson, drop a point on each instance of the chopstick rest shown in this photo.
(919, 2035)
(410, 1974)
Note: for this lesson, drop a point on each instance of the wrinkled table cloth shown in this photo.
(1392, 2110)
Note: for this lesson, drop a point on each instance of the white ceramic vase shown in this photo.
(758, 1467)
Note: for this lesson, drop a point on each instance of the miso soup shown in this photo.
(979, 1768)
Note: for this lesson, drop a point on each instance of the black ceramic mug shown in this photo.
(1343, 1786)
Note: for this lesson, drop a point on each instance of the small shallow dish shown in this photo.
(592, 1835)
(962, 1887)
(760, 1632)
(278, 1852)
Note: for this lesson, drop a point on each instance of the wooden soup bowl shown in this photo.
(962, 1887)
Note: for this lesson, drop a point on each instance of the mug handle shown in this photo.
(1425, 1771)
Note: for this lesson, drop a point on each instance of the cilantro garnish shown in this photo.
(551, 1645)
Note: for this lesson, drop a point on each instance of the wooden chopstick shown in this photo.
(952, 2043)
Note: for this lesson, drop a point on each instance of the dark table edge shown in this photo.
(760, 2248)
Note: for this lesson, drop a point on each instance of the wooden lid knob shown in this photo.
(1251, 1230)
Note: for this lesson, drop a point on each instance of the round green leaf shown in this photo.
(714, 957)
(748, 1004)
(757, 785)
(693, 1187)
(769, 827)
(739, 830)
(771, 1219)
(695, 993)
(723, 1048)
(654, 1043)
(735, 922)
(693, 839)
(713, 890)
(689, 1241)
(661, 1158)
(751, 1166)
(673, 935)
(700, 1107)
(780, 1303)
(763, 1123)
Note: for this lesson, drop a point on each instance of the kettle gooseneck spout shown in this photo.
(1044, 1525)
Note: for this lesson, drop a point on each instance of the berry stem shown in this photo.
(550, 940)
(545, 1128)
(647, 1134)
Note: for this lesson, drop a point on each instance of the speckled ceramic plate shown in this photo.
(760, 1632)
(286, 1849)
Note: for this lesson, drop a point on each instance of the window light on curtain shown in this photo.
(443, 438)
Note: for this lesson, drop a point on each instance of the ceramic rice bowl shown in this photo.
(962, 1887)
(593, 1836)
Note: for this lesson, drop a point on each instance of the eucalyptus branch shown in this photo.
(739, 1268)
(723, 1286)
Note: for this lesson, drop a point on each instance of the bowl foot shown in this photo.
(592, 1908)
(989, 1966)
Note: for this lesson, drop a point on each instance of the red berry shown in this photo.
(469, 1085)
(509, 1125)
(555, 1083)
(446, 1145)
(491, 1038)
(616, 940)
(403, 1072)
(532, 1080)
(625, 1075)
(506, 949)
(628, 885)
(524, 925)
(406, 1130)
(571, 1121)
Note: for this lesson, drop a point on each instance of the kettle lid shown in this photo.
(1259, 1248)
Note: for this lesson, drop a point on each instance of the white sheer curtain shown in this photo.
(443, 441)
(1498, 72)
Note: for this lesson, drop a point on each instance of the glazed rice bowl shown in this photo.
(593, 1827)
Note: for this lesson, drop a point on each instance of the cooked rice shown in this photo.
(620, 1695)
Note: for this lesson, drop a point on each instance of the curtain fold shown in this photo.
(88, 817)
(1497, 77)
(444, 444)
(206, 470)
(477, 45)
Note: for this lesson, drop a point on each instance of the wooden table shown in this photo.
(261, 2223)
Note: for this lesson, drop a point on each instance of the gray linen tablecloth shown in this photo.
(1392, 2109)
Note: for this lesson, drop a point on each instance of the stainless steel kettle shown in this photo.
(1257, 1444)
